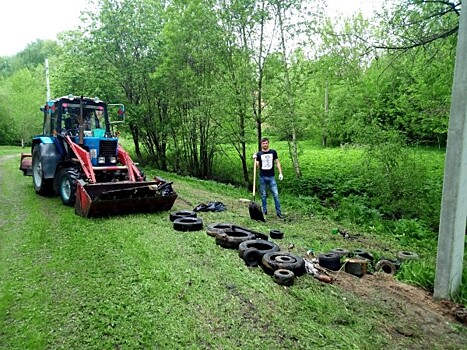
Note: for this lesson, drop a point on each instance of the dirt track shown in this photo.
(419, 314)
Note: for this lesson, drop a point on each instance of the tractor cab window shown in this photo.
(90, 118)
(93, 119)
(50, 119)
(100, 122)
(70, 121)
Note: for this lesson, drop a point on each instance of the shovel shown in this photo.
(255, 209)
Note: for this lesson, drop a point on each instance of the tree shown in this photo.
(408, 24)
(124, 45)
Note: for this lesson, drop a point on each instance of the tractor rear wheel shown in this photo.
(67, 186)
(42, 186)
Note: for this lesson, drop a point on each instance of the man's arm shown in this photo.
(278, 165)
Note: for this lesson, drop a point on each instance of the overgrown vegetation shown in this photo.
(310, 78)
(133, 282)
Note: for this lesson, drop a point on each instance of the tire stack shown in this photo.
(252, 251)
(186, 220)
(283, 266)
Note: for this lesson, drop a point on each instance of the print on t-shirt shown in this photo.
(266, 161)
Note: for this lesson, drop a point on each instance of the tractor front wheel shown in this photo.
(67, 186)
(42, 186)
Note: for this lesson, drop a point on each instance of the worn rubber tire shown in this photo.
(341, 252)
(285, 259)
(284, 277)
(386, 266)
(211, 229)
(261, 245)
(252, 257)
(363, 254)
(330, 261)
(67, 185)
(296, 264)
(276, 234)
(405, 255)
(188, 224)
(182, 214)
(42, 186)
(230, 238)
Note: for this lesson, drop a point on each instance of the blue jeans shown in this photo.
(269, 181)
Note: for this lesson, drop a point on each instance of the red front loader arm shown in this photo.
(84, 159)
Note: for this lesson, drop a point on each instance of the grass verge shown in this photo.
(132, 282)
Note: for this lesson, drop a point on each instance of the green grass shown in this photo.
(132, 282)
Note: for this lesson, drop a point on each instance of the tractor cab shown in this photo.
(72, 115)
(86, 121)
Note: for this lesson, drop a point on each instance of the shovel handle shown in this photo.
(254, 179)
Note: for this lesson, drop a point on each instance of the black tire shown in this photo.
(386, 266)
(363, 254)
(261, 245)
(330, 261)
(42, 186)
(276, 234)
(182, 214)
(397, 262)
(67, 185)
(252, 257)
(285, 259)
(405, 255)
(341, 252)
(231, 238)
(188, 224)
(295, 263)
(212, 229)
(284, 277)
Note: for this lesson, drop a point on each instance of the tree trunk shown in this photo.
(135, 134)
(326, 109)
(293, 146)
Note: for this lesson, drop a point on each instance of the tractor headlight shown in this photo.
(113, 160)
(101, 160)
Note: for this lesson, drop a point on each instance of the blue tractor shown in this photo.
(79, 158)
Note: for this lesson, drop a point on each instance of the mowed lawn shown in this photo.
(133, 282)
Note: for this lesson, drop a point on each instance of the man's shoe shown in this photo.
(265, 213)
(280, 216)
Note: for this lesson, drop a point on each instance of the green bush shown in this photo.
(419, 273)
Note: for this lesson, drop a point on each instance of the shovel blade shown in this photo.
(255, 212)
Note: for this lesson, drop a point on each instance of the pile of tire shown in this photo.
(283, 260)
(186, 220)
(182, 214)
(212, 229)
(391, 265)
(332, 259)
(284, 267)
(231, 238)
(252, 251)
(255, 250)
(223, 231)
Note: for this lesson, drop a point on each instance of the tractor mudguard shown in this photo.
(50, 159)
(116, 198)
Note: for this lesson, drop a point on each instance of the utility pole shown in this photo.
(454, 200)
(47, 78)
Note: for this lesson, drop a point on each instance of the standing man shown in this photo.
(265, 160)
